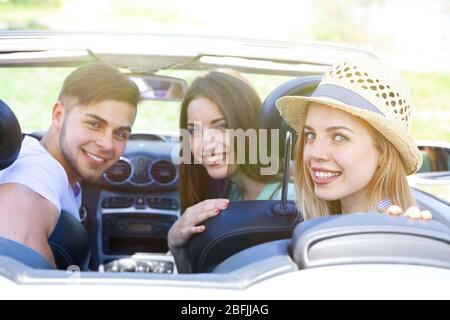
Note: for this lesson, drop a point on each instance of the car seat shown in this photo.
(69, 241)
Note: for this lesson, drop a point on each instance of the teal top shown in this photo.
(271, 191)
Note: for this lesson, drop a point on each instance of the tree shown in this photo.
(343, 21)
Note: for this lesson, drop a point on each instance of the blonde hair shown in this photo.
(388, 182)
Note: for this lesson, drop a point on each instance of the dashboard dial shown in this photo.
(119, 172)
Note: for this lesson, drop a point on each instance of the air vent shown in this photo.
(141, 172)
(163, 172)
(120, 172)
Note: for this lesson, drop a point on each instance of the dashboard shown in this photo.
(146, 165)
(137, 204)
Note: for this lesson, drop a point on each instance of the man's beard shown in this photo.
(89, 176)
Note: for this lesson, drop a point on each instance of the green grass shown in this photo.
(31, 92)
(27, 15)
(432, 97)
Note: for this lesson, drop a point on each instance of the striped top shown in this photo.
(381, 206)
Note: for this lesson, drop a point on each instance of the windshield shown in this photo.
(32, 92)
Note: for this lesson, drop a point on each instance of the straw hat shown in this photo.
(368, 89)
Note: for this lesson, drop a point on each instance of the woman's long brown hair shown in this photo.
(240, 106)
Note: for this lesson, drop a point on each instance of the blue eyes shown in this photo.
(309, 136)
(221, 126)
(339, 138)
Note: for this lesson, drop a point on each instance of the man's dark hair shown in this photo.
(98, 82)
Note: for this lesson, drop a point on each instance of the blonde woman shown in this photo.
(354, 151)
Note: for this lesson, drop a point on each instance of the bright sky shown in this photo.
(412, 34)
(421, 32)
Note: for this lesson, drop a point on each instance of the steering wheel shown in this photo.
(270, 117)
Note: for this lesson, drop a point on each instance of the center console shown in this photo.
(134, 230)
(129, 232)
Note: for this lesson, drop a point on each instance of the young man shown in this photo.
(91, 124)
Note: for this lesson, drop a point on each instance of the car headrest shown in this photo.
(270, 117)
(10, 136)
(244, 224)
(23, 254)
(370, 238)
(70, 243)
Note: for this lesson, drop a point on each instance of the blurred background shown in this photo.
(413, 35)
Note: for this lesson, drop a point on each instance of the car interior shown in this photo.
(126, 217)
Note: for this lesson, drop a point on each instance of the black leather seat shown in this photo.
(69, 241)
(244, 224)
(270, 117)
(10, 136)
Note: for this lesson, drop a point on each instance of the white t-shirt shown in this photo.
(38, 170)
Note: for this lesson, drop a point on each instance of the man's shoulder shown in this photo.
(33, 151)
(36, 169)
(32, 147)
(34, 160)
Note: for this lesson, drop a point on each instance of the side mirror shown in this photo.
(436, 158)
(162, 88)
(434, 175)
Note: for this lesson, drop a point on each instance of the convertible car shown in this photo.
(255, 249)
